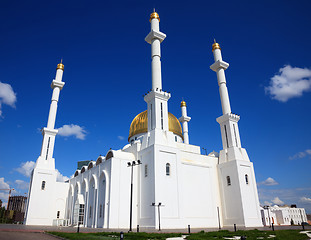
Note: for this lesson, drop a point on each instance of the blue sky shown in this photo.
(108, 69)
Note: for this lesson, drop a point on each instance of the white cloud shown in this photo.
(22, 184)
(72, 130)
(277, 201)
(60, 177)
(269, 182)
(305, 200)
(303, 154)
(7, 96)
(26, 168)
(267, 203)
(121, 137)
(3, 184)
(290, 82)
(4, 195)
(288, 195)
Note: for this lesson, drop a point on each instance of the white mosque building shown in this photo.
(159, 177)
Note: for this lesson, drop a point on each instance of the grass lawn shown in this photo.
(116, 236)
(250, 235)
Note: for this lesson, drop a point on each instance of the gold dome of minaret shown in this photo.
(215, 46)
(60, 65)
(183, 104)
(154, 15)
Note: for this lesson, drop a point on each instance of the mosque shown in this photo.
(158, 179)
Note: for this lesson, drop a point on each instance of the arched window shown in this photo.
(246, 178)
(109, 155)
(168, 169)
(228, 181)
(43, 185)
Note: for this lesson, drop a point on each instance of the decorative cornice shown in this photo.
(57, 84)
(228, 117)
(155, 34)
(219, 64)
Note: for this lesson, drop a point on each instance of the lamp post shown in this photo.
(158, 205)
(132, 164)
(267, 207)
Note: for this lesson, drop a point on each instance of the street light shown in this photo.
(159, 205)
(132, 164)
(267, 207)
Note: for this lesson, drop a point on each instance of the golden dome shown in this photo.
(60, 66)
(154, 15)
(215, 46)
(140, 125)
(183, 104)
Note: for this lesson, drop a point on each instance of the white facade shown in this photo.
(283, 215)
(192, 189)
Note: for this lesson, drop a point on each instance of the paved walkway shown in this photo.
(24, 228)
(13, 235)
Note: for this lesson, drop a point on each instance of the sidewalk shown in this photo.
(24, 228)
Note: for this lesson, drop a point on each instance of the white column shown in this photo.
(57, 85)
(219, 67)
(46, 156)
(184, 119)
(155, 37)
(156, 98)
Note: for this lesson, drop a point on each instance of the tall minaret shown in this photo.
(228, 121)
(156, 98)
(184, 119)
(236, 172)
(46, 196)
(45, 159)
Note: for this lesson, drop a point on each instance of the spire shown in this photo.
(219, 67)
(228, 121)
(154, 15)
(215, 46)
(155, 37)
(46, 157)
(184, 119)
(60, 65)
(156, 98)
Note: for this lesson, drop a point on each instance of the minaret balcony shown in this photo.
(52, 132)
(57, 84)
(229, 116)
(155, 34)
(184, 119)
(219, 64)
(159, 94)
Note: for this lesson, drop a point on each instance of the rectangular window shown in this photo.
(100, 210)
(226, 136)
(236, 140)
(43, 185)
(90, 214)
(146, 170)
(228, 181)
(151, 117)
(246, 178)
(47, 149)
(161, 116)
(168, 169)
(58, 213)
